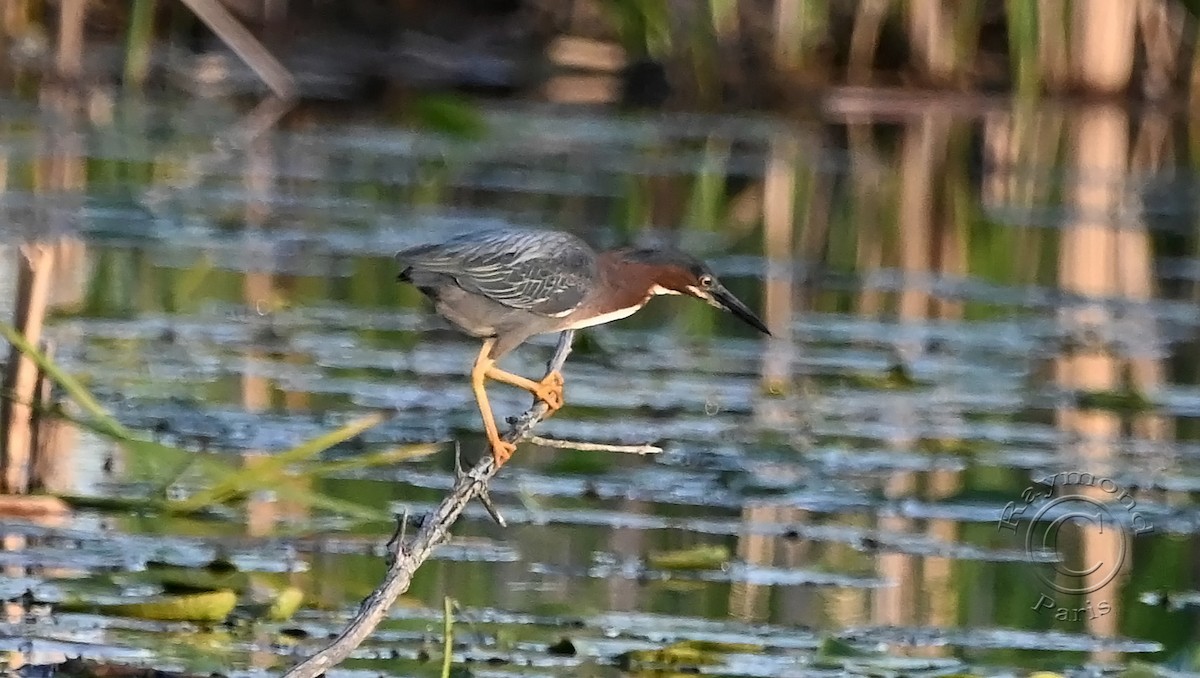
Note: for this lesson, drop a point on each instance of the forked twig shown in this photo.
(406, 556)
(486, 497)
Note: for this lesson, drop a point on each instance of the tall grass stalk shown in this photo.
(1194, 82)
(447, 635)
(722, 15)
(800, 26)
(139, 41)
(967, 27)
(1024, 48)
(707, 205)
(644, 26)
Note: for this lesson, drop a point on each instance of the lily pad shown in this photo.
(213, 606)
(703, 557)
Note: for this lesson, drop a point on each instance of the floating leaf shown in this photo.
(703, 557)
(213, 606)
(1127, 402)
(897, 378)
(183, 580)
(720, 646)
(287, 602)
(957, 446)
(1138, 669)
(832, 647)
(282, 605)
(450, 115)
(677, 655)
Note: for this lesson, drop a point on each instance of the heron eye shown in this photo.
(706, 281)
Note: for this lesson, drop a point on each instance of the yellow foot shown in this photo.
(550, 391)
(502, 451)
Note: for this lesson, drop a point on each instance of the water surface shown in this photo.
(960, 305)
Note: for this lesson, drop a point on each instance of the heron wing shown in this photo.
(544, 272)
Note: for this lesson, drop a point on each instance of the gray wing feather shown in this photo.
(545, 272)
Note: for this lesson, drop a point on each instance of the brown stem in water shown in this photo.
(405, 556)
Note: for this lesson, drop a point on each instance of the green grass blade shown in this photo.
(268, 474)
(138, 44)
(1023, 47)
(325, 502)
(106, 422)
(447, 635)
(382, 458)
(311, 448)
(153, 461)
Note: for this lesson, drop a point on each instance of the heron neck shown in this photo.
(622, 288)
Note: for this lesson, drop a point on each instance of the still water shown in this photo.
(962, 305)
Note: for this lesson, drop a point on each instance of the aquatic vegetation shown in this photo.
(163, 465)
(221, 332)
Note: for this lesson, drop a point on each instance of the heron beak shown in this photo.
(724, 299)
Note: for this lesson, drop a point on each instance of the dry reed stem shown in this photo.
(246, 46)
(35, 268)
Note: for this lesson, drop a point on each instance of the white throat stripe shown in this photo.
(606, 317)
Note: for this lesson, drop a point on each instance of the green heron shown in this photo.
(507, 285)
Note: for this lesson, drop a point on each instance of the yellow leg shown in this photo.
(549, 390)
(501, 449)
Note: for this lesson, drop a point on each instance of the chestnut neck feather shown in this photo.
(623, 284)
(622, 287)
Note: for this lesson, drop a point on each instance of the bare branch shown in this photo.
(486, 497)
(595, 447)
(405, 557)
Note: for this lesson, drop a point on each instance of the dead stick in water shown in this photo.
(404, 556)
(642, 450)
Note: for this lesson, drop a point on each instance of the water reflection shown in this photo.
(949, 295)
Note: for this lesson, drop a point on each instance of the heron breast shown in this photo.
(608, 317)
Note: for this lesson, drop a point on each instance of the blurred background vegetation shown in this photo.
(716, 54)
